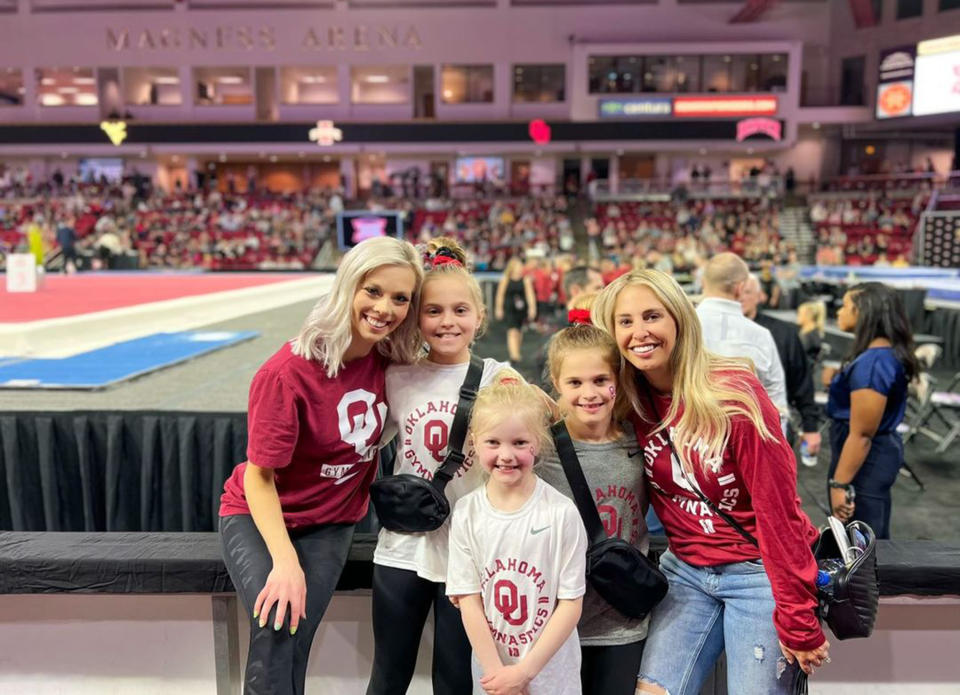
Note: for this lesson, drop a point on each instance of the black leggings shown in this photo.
(277, 661)
(610, 670)
(401, 601)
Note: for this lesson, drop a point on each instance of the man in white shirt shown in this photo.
(726, 331)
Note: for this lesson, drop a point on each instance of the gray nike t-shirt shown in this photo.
(616, 481)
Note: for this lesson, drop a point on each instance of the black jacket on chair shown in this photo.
(796, 367)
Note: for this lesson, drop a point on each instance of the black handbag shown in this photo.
(850, 609)
(622, 575)
(409, 503)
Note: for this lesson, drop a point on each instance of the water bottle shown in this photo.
(806, 458)
(827, 574)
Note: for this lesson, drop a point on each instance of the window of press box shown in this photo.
(614, 74)
(11, 87)
(539, 83)
(66, 87)
(466, 84)
(667, 73)
(909, 8)
(380, 84)
(151, 87)
(223, 86)
(308, 85)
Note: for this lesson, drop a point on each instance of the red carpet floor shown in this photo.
(72, 295)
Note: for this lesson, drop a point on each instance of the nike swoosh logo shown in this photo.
(341, 481)
(535, 531)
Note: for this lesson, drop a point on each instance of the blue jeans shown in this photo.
(707, 610)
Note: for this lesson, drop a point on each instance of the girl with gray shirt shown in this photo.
(584, 362)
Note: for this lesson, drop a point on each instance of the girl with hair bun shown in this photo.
(410, 569)
(517, 554)
(584, 366)
(711, 442)
(317, 409)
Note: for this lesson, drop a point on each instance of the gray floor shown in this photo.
(219, 382)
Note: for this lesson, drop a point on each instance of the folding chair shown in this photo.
(942, 406)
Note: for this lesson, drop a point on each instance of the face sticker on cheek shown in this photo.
(613, 392)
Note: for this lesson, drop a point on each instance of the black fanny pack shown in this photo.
(411, 504)
(622, 575)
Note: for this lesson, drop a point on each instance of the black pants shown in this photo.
(401, 601)
(610, 670)
(277, 661)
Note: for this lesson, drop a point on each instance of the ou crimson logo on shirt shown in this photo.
(436, 434)
(360, 418)
(510, 603)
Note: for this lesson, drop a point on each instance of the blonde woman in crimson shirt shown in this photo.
(757, 603)
(317, 410)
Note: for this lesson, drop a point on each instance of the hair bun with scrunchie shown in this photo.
(444, 256)
(578, 317)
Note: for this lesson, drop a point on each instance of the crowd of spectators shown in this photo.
(866, 230)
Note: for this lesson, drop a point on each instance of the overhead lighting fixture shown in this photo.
(313, 79)
(164, 79)
(377, 79)
(230, 79)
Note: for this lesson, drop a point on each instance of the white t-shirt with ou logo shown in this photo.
(522, 563)
(422, 400)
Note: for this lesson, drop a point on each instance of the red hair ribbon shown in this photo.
(444, 260)
(578, 317)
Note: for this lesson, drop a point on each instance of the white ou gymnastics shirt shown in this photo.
(422, 401)
(521, 563)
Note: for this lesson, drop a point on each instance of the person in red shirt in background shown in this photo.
(708, 431)
(545, 286)
(317, 409)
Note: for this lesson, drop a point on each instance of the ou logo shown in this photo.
(612, 523)
(508, 600)
(435, 437)
(360, 419)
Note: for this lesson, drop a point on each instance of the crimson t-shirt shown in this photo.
(754, 481)
(320, 434)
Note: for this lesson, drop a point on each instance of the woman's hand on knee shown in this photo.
(286, 587)
(807, 660)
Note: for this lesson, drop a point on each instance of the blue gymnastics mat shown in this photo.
(109, 365)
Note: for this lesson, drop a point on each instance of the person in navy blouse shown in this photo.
(868, 398)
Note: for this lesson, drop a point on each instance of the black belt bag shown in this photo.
(411, 504)
(619, 572)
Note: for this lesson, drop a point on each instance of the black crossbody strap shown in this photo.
(578, 483)
(693, 486)
(461, 420)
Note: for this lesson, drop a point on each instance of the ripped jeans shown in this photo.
(707, 610)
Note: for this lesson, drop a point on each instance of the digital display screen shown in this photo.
(480, 170)
(354, 226)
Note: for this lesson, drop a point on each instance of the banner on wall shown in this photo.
(770, 127)
(639, 107)
(699, 107)
(895, 82)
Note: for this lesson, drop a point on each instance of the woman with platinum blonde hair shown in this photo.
(722, 479)
(316, 412)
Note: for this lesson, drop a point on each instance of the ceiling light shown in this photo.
(313, 79)
(163, 79)
(230, 79)
(377, 79)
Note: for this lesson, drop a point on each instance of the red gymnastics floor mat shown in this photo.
(73, 295)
